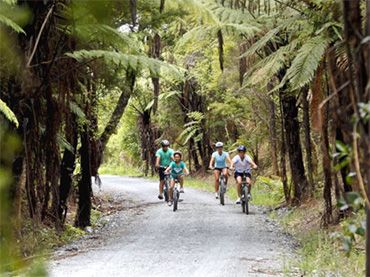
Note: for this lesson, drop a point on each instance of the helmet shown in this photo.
(242, 148)
(165, 143)
(219, 144)
(177, 153)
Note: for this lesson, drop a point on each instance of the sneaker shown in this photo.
(182, 190)
(160, 196)
(237, 201)
(169, 203)
(216, 195)
(249, 196)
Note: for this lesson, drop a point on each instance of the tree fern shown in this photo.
(269, 36)
(8, 113)
(306, 62)
(192, 128)
(13, 16)
(163, 96)
(132, 62)
(264, 70)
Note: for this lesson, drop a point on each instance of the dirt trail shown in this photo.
(201, 239)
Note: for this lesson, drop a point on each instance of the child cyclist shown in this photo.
(243, 163)
(178, 169)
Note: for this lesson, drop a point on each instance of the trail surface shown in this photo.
(202, 238)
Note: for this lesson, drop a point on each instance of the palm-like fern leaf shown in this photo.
(8, 113)
(306, 62)
(132, 62)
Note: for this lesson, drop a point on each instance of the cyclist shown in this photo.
(218, 163)
(178, 169)
(164, 156)
(243, 162)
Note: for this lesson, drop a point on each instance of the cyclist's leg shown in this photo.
(249, 182)
(172, 185)
(216, 173)
(161, 180)
(226, 173)
(239, 185)
(181, 180)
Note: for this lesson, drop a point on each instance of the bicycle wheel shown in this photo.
(222, 193)
(175, 200)
(243, 202)
(165, 191)
(246, 203)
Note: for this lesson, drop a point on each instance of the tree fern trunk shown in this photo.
(291, 127)
(68, 165)
(113, 122)
(273, 137)
(220, 40)
(84, 186)
(308, 141)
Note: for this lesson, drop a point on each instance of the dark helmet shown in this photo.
(177, 153)
(242, 148)
(165, 143)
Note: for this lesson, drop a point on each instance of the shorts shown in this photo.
(219, 168)
(240, 174)
(176, 176)
(161, 171)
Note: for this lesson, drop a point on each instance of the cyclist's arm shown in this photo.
(254, 166)
(157, 160)
(230, 162)
(168, 169)
(211, 162)
(186, 171)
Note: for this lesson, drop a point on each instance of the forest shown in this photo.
(91, 86)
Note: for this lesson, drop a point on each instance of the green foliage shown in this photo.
(130, 62)
(192, 128)
(364, 109)
(353, 228)
(268, 192)
(8, 113)
(303, 67)
(13, 16)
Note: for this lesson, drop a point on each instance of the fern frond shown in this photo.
(245, 29)
(266, 38)
(163, 96)
(8, 113)
(13, 16)
(136, 63)
(77, 111)
(10, 23)
(303, 67)
(268, 67)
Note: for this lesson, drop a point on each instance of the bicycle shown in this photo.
(166, 186)
(222, 188)
(176, 194)
(245, 197)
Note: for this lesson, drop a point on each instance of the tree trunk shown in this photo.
(84, 186)
(291, 127)
(111, 127)
(273, 137)
(220, 40)
(284, 178)
(326, 163)
(308, 142)
(68, 166)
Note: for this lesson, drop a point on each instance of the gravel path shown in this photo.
(202, 238)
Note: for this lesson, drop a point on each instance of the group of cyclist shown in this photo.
(170, 162)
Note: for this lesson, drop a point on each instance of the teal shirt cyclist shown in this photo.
(177, 169)
(165, 157)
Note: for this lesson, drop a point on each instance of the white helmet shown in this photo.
(219, 144)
